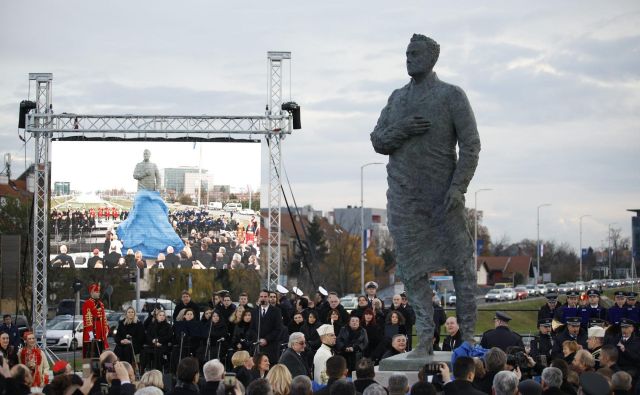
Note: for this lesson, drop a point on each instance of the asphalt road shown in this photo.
(68, 355)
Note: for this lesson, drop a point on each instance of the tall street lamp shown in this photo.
(538, 243)
(582, 216)
(609, 249)
(475, 226)
(362, 246)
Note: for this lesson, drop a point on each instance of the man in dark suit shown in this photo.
(292, 357)
(628, 348)
(266, 321)
(186, 303)
(549, 309)
(501, 337)
(464, 370)
(95, 259)
(112, 258)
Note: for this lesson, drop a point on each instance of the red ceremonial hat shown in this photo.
(95, 287)
(59, 366)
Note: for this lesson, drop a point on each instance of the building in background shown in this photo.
(180, 180)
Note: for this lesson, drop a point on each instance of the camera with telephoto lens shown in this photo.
(518, 358)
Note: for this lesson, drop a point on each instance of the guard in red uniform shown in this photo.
(100, 213)
(95, 325)
(114, 213)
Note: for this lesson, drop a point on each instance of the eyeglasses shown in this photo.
(301, 343)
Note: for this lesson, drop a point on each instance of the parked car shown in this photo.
(510, 293)
(247, 211)
(580, 286)
(114, 319)
(166, 304)
(60, 335)
(495, 295)
(349, 302)
(552, 287)
(521, 292)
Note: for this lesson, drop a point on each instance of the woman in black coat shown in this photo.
(363, 304)
(243, 336)
(310, 330)
(214, 338)
(374, 332)
(159, 335)
(296, 323)
(129, 337)
(351, 341)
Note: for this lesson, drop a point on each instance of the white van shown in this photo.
(233, 207)
(215, 206)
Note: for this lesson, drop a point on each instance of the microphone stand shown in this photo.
(206, 351)
(181, 344)
(133, 358)
(255, 350)
(219, 346)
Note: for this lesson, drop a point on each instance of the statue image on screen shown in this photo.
(419, 129)
(147, 229)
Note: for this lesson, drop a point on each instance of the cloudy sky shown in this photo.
(554, 86)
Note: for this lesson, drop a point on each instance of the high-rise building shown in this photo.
(174, 179)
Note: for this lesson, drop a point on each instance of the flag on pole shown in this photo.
(541, 250)
(366, 238)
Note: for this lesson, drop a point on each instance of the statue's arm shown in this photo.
(138, 172)
(387, 136)
(157, 176)
(468, 140)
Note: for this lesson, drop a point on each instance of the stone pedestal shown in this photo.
(400, 362)
(408, 367)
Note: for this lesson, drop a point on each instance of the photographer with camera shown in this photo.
(517, 358)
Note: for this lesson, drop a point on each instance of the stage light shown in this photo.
(294, 109)
(25, 107)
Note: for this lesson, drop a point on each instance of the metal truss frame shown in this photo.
(45, 126)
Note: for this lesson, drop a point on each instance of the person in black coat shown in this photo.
(628, 345)
(363, 304)
(453, 339)
(549, 310)
(266, 321)
(214, 338)
(374, 333)
(129, 337)
(351, 342)
(542, 344)
(296, 323)
(573, 332)
(293, 357)
(310, 330)
(159, 336)
(186, 303)
(186, 337)
(171, 260)
(244, 336)
(501, 337)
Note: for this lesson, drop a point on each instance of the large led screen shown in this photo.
(163, 205)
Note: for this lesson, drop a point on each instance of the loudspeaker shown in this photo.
(294, 110)
(10, 264)
(25, 107)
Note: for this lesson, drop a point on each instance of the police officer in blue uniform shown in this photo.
(618, 310)
(572, 331)
(550, 308)
(632, 309)
(569, 309)
(593, 309)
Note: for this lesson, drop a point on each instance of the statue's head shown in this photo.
(422, 55)
(147, 154)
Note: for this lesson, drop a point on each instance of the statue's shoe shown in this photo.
(421, 351)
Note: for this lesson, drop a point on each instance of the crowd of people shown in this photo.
(209, 243)
(282, 344)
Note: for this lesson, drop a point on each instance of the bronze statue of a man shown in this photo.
(419, 129)
(147, 174)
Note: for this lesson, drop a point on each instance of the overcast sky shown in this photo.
(554, 86)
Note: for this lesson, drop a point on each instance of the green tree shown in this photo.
(185, 199)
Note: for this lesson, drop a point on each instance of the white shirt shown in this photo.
(320, 364)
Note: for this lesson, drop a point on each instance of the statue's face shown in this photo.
(147, 154)
(419, 59)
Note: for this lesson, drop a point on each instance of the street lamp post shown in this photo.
(362, 246)
(475, 225)
(580, 252)
(538, 243)
(609, 249)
